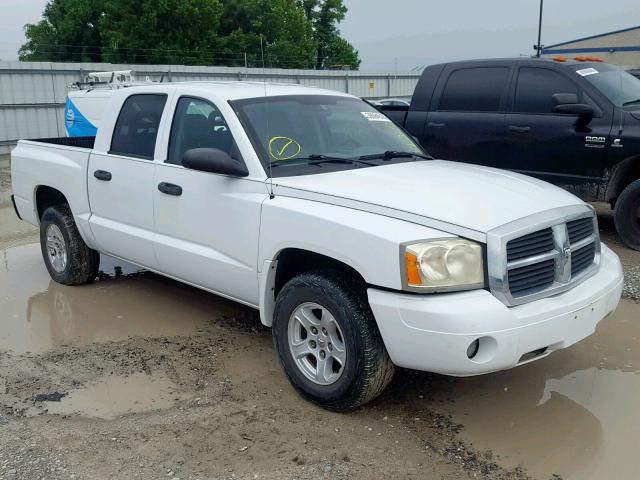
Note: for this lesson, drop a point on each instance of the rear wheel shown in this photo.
(328, 342)
(627, 215)
(66, 256)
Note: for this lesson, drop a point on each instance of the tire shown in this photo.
(627, 215)
(367, 368)
(66, 256)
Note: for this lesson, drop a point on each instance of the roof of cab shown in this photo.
(549, 60)
(240, 90)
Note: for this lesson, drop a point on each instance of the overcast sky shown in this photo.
(419, 32)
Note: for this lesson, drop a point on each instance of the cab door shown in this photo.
(120, 182)
(566, 150)
(207, 224)
(468, 118)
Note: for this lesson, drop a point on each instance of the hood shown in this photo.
(467, 196)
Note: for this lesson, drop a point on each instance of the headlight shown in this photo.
(441, 265)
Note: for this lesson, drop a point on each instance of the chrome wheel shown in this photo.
(316, 344)
(56, 248)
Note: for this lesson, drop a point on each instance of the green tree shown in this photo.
(341, 52)
(161, 31)
(291, 33)
(68, 31)
(325, 15)
(280, 28)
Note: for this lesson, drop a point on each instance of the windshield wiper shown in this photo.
(631, 102)
(391, 154)
(320, 159)
(315, 159)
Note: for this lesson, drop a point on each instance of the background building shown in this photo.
(620, 47)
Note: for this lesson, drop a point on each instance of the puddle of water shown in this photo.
(13, 231)
(114, 396)
(37, 314)
(574, 413)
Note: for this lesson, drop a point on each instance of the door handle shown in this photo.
(435, 125)
(519, 129)
(170, 189)
(102, 175)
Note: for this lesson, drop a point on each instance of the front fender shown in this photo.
(367, 242)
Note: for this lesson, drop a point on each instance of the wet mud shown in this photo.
(39, 314)
(573, 413)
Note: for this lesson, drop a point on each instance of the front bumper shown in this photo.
(434, 332)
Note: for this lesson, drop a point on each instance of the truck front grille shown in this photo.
(579, 229)
(530, 245)
(537, 262)
(582, 258)
(532, 277)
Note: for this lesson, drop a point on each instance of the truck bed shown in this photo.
(80, 142)
(60, 164)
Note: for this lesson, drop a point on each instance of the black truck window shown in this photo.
(536, 86)
(137, 126)
(197, 124)
(474, 89)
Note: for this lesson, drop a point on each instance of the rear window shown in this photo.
(475, 90)
(137, 126)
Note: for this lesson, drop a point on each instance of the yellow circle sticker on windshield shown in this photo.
(283, 148)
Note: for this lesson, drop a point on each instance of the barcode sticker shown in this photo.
(587, 71)
(375, 117)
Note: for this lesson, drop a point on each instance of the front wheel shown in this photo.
(627, 215)
(66, 256)
(328, 342)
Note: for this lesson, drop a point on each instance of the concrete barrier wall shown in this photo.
(32, 94)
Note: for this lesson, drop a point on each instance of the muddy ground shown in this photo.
(137, 376)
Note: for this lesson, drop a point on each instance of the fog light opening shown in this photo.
(482, 350)
(473, 348)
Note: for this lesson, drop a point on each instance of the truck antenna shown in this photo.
(266, 114)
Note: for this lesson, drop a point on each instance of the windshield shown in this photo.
(302, 134)
(622, 88)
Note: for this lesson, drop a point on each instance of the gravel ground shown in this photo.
(630, 259)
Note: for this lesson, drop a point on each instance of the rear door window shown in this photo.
(535, 87)
(475, 90)
(137, 126)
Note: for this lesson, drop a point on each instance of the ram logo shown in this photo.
(590, 139)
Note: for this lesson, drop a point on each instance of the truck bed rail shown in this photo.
(81, 142)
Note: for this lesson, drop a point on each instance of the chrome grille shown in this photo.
(579, 229)
(530, 245)
(532, 277)
(543, 255)
(582, 258)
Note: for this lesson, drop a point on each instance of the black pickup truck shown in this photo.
(574, 123)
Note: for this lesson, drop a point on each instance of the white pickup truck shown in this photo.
(360, 251)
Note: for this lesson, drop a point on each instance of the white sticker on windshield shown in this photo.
(587, 71)
(375, 117)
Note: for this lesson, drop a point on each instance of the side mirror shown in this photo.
(213, 160)
(567, 103)
(564, 99)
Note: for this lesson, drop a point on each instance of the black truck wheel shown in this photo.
(328, 342)
(66, 256)
(627, 215)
